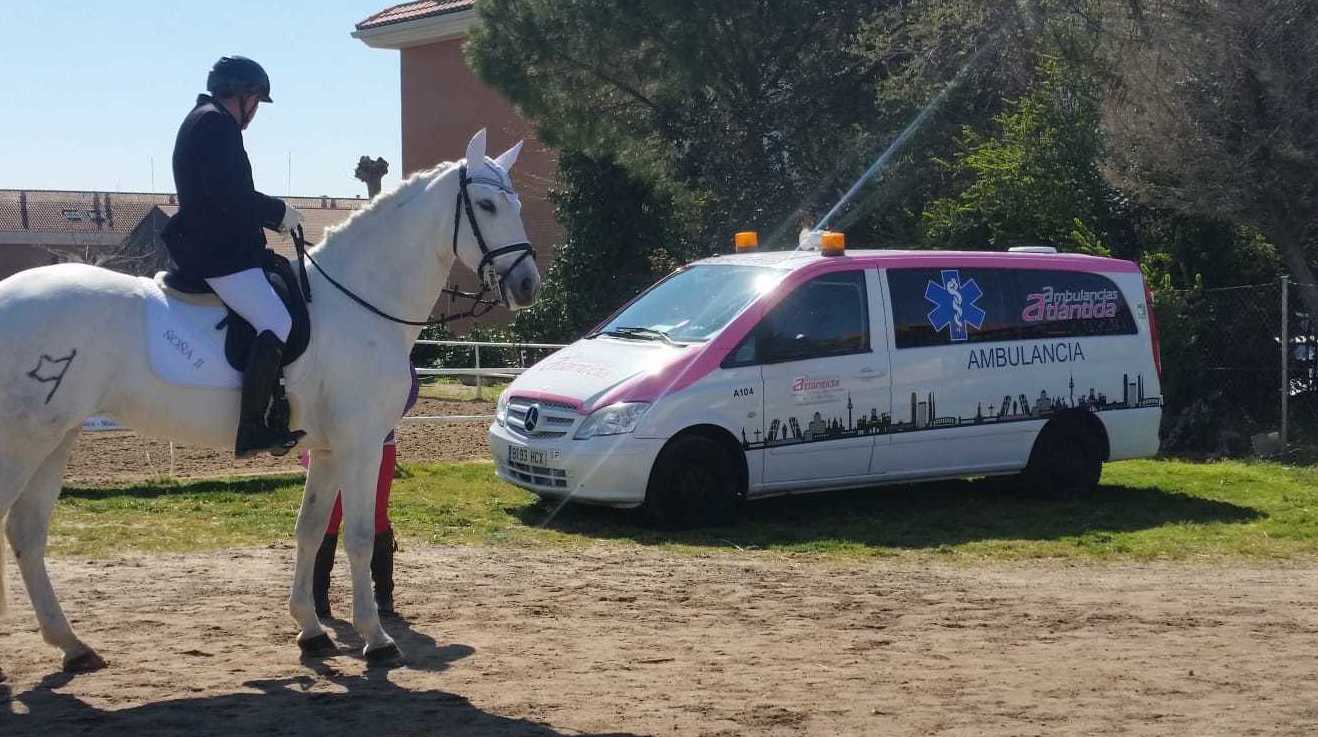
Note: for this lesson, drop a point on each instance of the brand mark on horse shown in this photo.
(49, 370)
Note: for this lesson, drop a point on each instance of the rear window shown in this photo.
(968, 305)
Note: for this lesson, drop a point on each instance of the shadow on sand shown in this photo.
(912, 517)
(359, 705)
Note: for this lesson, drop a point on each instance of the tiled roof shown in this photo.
(119, 212)
(415, 11)
(75, 212)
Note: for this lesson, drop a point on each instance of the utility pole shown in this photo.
(1285, 360)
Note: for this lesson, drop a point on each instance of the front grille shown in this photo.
(555, 419)
(549, 478)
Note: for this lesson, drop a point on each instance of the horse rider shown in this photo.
(217, 234)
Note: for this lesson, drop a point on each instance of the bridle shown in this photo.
(489, 277)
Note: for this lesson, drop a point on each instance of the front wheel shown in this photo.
(692, 485)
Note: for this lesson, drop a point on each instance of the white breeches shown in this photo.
(250, 295)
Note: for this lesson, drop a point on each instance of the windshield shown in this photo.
(692, 305)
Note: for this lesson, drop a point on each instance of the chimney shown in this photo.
(372, 172)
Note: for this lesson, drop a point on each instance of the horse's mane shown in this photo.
(399, 196)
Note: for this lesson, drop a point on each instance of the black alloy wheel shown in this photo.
(692, 485)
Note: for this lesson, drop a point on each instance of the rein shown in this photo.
(480, 306)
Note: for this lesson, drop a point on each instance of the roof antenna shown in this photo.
(809, 239)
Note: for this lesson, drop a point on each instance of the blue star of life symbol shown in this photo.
(955, 305)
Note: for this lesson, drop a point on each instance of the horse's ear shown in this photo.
(509, 157)
(476, 149)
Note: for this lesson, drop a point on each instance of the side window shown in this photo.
(826, 316)
(968, 305)
(950, 305)
(746, 353)
(1062, 304)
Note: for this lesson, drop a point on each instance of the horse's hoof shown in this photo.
(320, 646)
(86, 662)
(388, 655)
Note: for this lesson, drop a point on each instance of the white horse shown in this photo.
(75, 344)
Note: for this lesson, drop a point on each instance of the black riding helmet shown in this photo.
(234, 76)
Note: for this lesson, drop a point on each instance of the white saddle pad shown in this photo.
(183, 345)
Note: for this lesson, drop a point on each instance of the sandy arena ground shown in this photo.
(626, 641)
(108, 457)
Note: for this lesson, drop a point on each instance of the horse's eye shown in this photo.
(486, 205)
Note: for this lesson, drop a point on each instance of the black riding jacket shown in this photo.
(218, 228)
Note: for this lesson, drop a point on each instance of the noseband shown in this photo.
(488, 276)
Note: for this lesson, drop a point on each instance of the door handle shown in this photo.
(869, 372)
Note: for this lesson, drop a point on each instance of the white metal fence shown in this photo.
(479, 371)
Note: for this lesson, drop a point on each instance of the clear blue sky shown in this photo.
(90, 91)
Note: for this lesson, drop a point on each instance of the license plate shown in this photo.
(527, 456)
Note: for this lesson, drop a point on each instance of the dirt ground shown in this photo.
(104, 457)
(634, 641)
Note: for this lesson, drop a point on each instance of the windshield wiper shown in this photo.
(640, 333)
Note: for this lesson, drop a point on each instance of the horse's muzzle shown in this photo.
(523, 289)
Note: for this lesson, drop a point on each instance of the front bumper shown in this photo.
(610, 471)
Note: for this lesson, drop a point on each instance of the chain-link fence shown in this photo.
(1238, 378)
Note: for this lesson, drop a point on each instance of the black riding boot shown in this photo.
(382, 572)
(254, 435)
(320, 576)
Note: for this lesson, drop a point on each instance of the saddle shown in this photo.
(240, 336)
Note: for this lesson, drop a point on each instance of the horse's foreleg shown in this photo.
(29, 519)
(359, 541)
(324, 478)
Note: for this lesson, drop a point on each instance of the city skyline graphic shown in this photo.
(922, 415)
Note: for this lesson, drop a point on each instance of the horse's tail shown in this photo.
(4, 594)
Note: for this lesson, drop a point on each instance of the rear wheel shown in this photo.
(1066, 463)
(692, 485)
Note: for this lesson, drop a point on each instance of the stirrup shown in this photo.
(261, 438)
(279, 451)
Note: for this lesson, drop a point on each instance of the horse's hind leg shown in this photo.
(16, 470)
(29, 518)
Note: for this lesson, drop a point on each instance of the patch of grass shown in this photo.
(453, 390)
(1146, 510)
(175, 517)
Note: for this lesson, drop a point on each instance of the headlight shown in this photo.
(616, 419)
(501, 410)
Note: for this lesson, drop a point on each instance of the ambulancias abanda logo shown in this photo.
(955, 305)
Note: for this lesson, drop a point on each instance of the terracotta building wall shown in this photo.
(444, 104)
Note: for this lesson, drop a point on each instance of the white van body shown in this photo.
(813, 372)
